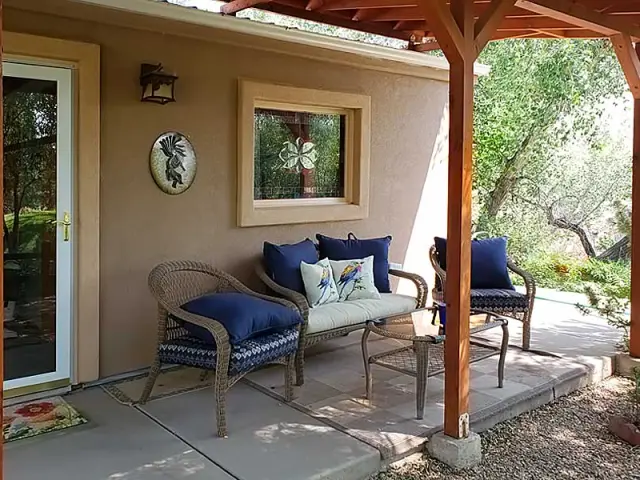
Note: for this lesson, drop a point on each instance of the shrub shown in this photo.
(560, 272)
(566, 273)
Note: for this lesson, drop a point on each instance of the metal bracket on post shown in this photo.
(463, 426)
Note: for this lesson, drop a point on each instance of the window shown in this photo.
(303, 155)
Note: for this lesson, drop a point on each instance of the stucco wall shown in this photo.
(141, 226)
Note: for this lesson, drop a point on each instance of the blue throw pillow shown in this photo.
(283, 262)
(243, 316)
(353, 248)
(488, 262)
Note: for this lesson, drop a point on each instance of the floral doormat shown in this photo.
(29, 419)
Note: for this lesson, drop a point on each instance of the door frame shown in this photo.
(64, 203)
(84, 61)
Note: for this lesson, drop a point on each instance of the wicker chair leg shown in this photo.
(288, 377)
(526, 331)
(151, 380)
(300, 367)
(221, 404)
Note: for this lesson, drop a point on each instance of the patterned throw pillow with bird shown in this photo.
(318, 282)
(354, 279)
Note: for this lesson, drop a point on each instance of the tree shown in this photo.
(30, 157)
(580, 182)
(539, 93)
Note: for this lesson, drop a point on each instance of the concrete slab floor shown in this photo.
(268, 440)
(119, 443)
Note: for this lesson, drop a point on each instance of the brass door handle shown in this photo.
(65, 223)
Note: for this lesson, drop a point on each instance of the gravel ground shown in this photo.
(568, 439)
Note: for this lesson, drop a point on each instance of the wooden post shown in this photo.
(461, 40)
(634, 334)
(629, 58)
(1, 238)
(461, 83)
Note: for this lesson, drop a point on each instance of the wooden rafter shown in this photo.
(314, 4)
(426, 47)
(578, 14)
(335, 18)
(488, 23)
(238, 5)
(444, 27)
(629, 61)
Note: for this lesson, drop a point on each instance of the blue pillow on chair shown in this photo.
(488, 262)
(283, 262)
(353, 248)
(243, 316)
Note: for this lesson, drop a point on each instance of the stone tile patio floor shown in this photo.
(329, 432)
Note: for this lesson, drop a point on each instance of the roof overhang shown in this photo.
(279, 39)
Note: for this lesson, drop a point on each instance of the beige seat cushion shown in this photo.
(342, 314)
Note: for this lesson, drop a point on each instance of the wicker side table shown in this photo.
(424, 356)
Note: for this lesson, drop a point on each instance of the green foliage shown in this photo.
(567, 273)
(532, 85)
(33, 225)
(540, 144)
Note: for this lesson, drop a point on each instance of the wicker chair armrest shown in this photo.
(440, 272)
(298, 299)
(529, 281)
(420, 283)
(217, 330)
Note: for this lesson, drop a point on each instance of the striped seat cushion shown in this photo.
(497, 299)
(194, 352)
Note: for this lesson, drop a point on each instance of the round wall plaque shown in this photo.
(173, 163)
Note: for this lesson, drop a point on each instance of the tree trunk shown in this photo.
(581, 232)
(507, 180)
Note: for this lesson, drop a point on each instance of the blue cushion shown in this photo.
(243, 316)
(353, 248)
(282, 262)
(488, 262)
(194, 352)
(499, 300)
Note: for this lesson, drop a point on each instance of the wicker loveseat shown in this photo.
(338, 319)
(505, 302)
(173, 284)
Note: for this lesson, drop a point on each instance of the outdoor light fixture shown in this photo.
(157, 85)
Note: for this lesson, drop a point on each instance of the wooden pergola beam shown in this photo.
(629, 61)
(488, 23)
(444, 27)
(578, 14)
(629, 57)
(236, 6)
(426, 47)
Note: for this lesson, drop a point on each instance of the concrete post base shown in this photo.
(625, 364)
(458, 454)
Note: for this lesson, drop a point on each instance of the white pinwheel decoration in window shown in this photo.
(298, 155)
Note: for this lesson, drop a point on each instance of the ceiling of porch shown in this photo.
(409, 19)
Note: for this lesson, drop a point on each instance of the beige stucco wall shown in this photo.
(141, 226)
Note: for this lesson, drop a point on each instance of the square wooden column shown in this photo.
(461, 87)
(461, 38)
(629, 57)
(1, 236)
(634, 334)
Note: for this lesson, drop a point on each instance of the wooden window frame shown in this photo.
(357, 110)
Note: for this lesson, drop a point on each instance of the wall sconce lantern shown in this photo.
(157, 85)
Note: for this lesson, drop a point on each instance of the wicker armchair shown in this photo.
(175, 283)
(307, 340)
(501, 302)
